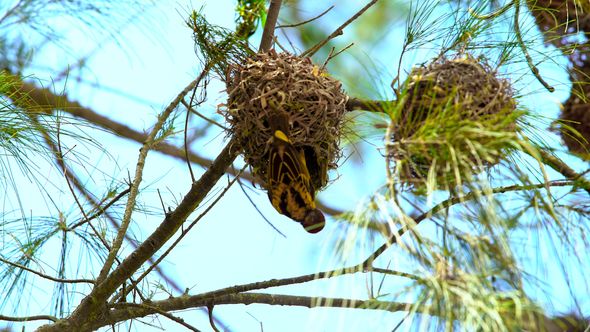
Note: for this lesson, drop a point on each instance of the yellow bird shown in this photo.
(289, 186)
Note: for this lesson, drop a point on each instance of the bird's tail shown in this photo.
(279, 122)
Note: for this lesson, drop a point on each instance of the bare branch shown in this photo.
(192, 110)
(258, 210)
(195, 301)
(28, 318)
(269, 27)
(337, 32)
(146, 272)
(147, 145)
(304, 22)
(153, 309)
(566, 171)
(94, 302)
(65, 170)
(529, 60)
(332, 56)
(101, 209)
(210, 310)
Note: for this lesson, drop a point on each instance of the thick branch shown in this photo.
(123, 312)
(269, 27)
(93, 305)
(134, 190)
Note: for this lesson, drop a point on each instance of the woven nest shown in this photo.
(560, 20)
(270, 83)
(452, 113)
(576, 114)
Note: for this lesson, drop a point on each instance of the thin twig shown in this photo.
(566, 171)
(330, 57)
(146, 272)
(382, 279)
(259, 212)
(147, 145)
(400, 323)
(276, 41)
(161, 202)
(304, 22)
(102, 210)
(65, 169)
(155, 309)
(56, 148)
(202, 117)
(269, 27)
(337, 32)
(495, 14)
(210, 310)
(456, 200)
(525, 51)
(188, 113)
(393, 273)
(44, 276)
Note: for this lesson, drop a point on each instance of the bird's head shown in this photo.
(314, 221)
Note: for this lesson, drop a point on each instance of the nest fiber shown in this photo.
(560, 20)
(281, 82)
(454, 117)
(576, 115)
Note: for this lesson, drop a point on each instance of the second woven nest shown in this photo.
(456, 117)
(281, 82)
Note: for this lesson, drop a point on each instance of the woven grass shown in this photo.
(455, 117)
(282, 82)
(560, 20)
(576, 114)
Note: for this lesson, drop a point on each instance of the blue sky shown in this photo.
(232, 245)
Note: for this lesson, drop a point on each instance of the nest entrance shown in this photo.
(282, 82)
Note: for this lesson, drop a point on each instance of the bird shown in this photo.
(290, 190)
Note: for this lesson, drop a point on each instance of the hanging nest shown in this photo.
(271, 83)
(576, 114)
(454, 117)
(560, 20)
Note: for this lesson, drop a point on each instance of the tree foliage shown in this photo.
(482, 215)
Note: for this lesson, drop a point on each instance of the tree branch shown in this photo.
(338, 31)
(304, 22)
(102, 209)
(269, 26)
(195, 301)
(28, 318)
(134, 190)
(456, 200)
(93, 305)
(153, 265)
(156, 310)
(565, 170)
